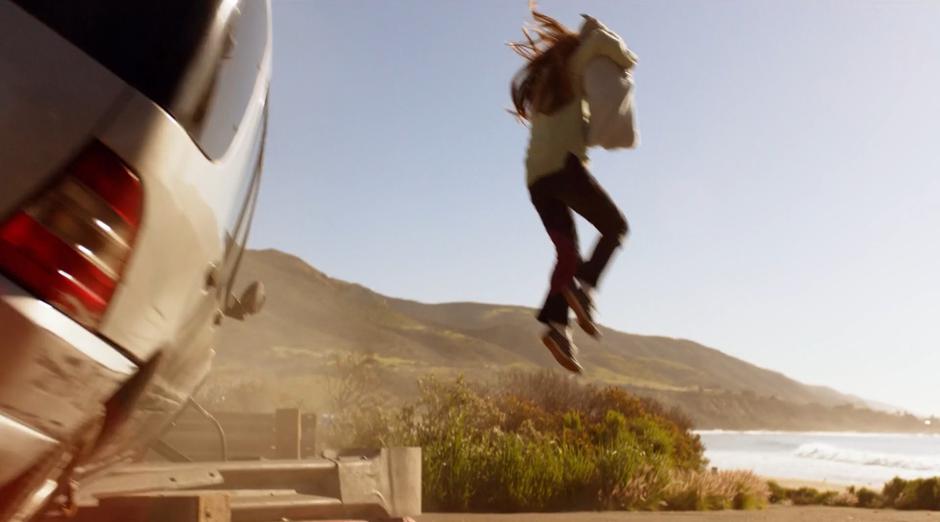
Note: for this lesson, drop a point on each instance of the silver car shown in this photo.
(131, 143)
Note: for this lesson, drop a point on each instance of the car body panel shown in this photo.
(54, 380)
(183, 229)
(170, 299)
(157, 334)
(52, 98)
(21, 447)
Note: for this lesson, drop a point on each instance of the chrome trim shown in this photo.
(9, 425)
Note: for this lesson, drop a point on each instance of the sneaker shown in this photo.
(558, 341)
(581, 301)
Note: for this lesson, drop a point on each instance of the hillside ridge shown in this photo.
(311, 320)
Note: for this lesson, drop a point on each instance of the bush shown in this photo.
(806, 496)
(522, 457)
(898, 493)
(811, 496)
(538, 442)
(892, 490)
(549, 397)
(913, 494)
(778, 493)
(850, 497)
(867, 498)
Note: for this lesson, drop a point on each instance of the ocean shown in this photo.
(864, 459)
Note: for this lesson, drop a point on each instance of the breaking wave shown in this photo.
(819, 451)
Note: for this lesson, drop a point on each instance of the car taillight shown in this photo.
(68, 245)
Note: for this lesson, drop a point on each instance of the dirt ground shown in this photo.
(772, 514)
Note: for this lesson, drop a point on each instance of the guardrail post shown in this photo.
(404, 474)
(309, 436)
(287, 433)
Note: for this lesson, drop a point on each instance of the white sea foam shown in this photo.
(840, 458)
(856, 434)
(821, 451)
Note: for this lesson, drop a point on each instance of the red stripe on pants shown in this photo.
(568, 259)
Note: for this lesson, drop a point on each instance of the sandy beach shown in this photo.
(772, 514)
(820, 485)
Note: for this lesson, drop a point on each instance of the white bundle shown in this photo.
(608, 89)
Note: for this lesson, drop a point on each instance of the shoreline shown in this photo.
(868, 433)
(819, 485)
(770, 514)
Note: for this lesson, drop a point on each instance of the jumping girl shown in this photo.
(568, 78)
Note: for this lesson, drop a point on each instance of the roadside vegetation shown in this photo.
(544, 442)
(540, 441)
(914, 494)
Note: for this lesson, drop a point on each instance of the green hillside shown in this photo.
(289, 352)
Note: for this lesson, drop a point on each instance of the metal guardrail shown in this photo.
(223, 443)
(266, 474)
(285, 433)
(382, 485)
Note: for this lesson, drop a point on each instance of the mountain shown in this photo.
(310, 321)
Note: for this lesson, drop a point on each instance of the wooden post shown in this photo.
(160, 507)
(287, 433)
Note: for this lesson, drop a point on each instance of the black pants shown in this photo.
(554, 197)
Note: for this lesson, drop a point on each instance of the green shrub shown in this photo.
(868, 498)
(892, 490)
(537, 442)
(545, 399)
(810, 496)
(778, 493)
(914, 494)
(898, 493)
(631, 465)
(806, 496)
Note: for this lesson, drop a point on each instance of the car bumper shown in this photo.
(55, 377)
(21, 446)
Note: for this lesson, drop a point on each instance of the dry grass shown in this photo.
(715, 490)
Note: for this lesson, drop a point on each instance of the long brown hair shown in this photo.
(543, 84)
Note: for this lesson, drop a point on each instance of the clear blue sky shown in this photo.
(785, 200)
